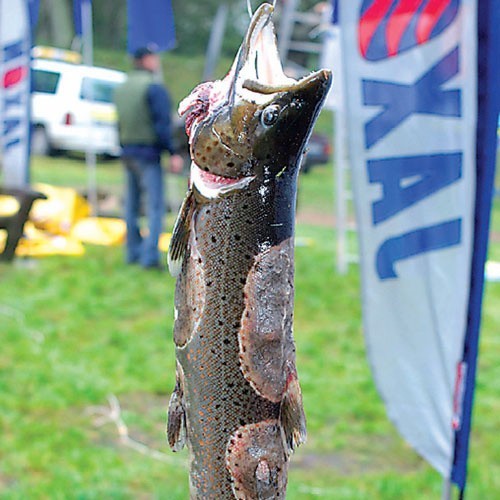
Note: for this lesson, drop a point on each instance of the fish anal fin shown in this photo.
(292, 416)
(176, 424)
(180, 235)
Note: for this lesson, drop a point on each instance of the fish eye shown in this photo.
(270, 115)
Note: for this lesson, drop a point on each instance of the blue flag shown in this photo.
(77, 15)
(150, 21)
(335, 11)
(488, 101)
(34, 8)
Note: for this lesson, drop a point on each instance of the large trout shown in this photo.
(237, 401)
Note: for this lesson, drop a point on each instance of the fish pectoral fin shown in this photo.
(180, 235)
(292, 416)
(176, 424)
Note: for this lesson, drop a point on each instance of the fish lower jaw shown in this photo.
(212, 186)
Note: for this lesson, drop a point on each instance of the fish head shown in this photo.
(284, 124)
(254, 123)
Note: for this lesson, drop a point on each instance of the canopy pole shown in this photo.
(341, 211)
(215, 43)
(446, 494)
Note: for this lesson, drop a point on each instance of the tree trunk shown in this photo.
(56, 24)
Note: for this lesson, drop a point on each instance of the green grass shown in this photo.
(75, 330)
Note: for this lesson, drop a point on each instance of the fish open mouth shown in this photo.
(212, 186)
(256, 76)
(258, 73)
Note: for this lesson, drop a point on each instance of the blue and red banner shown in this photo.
(15, 60)
(420, 93)
(388, 28)
(150, 22)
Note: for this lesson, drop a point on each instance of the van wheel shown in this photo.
(40, 144)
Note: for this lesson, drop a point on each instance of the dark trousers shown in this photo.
(144, 178)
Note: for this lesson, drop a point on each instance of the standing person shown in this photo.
(143, 106)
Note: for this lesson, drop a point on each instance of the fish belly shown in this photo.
(235, 352)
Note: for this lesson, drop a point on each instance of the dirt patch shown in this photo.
(143, 414)
(322, 219)
(330, 220)
(6, 483)
(355, 463)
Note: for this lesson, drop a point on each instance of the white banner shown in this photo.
(15, 45)
(411, 99)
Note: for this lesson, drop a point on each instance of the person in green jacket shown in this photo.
(144, 123)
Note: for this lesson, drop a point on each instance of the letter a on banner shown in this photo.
(15, 87)
(422, 102)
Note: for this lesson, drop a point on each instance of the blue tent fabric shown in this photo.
(150, 21)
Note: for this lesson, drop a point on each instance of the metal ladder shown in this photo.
(292, 23)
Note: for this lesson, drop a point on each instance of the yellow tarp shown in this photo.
(60, 211)
(164, 242)
(3, 239)
(8, 205)
(99, 231)
(60, 224)
(36, 243)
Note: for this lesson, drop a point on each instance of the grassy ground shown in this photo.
(75, 330)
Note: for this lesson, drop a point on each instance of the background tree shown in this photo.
(55, 24)
(193, 21)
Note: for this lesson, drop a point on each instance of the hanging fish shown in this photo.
(237, 401)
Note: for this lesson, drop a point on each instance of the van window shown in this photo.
(45, 81)
(97, 90)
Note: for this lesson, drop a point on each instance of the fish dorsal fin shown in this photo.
(180, 234)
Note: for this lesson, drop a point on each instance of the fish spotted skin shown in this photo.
(237, 401)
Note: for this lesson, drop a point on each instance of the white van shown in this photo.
(72, 107)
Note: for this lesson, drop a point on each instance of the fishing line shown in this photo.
(249, 7)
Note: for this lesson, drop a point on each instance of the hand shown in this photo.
(176, 164)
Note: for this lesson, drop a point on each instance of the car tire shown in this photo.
(40, 143)
(305, 167)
